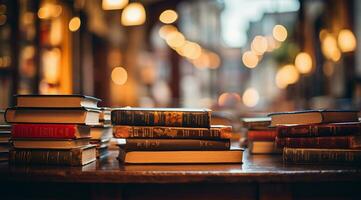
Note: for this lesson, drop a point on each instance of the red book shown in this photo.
(59, 131)
(320, 130)
(347, 142)
(262, 135)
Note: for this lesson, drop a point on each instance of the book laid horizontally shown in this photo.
(347, 142)
(263, 147)
(60, 131)
(71, 157)
(173, 117)
(31, 143)
(79, 115)
(181, 157)
(214, 132)
(255, 123)
(51, 101)
(313, 117)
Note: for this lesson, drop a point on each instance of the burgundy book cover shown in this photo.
(348, 142)
(60, 131)
(262, 135)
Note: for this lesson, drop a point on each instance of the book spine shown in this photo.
(261, 135)
(161, 118)
(319, 142)
(43, 131)
(299, 155)
(175, 145)
(171, 132)
(48, 157)
(319, 130)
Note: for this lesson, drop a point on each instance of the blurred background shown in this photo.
(241, 56)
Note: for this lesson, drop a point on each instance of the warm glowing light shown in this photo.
(346, 40)
(272, 44)
(133, 15)
(229, 99)
(329, 48)
(191, 50)
(165, 30)
(168, 16)
(303, 63)
(328, 69)
(259, 45)
(323, 34)
(250, 97)
(114, 4)
(74, 24)
(175, 39)
(279, 33)
(250, 59)
(202, 61)
(51, 65)
(119, 75)
(214, 60)
(288, 74)
(49, 10)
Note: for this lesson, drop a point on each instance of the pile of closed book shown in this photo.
(172, 136)
(260, 136)
(5, 130)
(53, 129)
(319, 136)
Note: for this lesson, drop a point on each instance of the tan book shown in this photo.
(49, 144)
(101, 132)
(313, 117)
(51, 101)
(52, 115)
(169, 157)
(263, 147)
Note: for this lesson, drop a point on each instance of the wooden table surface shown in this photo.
(255, 168)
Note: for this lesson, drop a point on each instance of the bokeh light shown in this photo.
(168, 16)
(119, 75)
(303, 63)
(279, 33)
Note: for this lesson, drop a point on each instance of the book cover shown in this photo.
(313, 117)
(71, 157)
(215, 132)
(263, 147)
(319, 130)
(321, 156)
(262, 135)
(41, 143)
(175, 145)
(59, 131)
(256, 123)
(161, 117)
(348, 142)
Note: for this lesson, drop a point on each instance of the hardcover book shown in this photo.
(51, 101)
(262, 135)
(338, 142)
(31, 143)
(52, 115)
(70, 157)
(215, 132)
(322, 156)
(256, 123)
(263, 147)
(101, 132)
(313, 117)
(174, 117)
(320, 130)
(58, 131)
(181, 157)
(175, 145)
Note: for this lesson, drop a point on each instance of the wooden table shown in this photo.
(259, 177)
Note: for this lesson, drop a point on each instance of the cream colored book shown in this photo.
(172, 157)
(49, 144)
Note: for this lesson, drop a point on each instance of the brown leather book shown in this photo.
(175, 145)
(348, 142)
(215, 132)
(175, 117)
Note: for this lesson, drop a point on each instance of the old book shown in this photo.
(5, 127)
(175, 117)
(30, 143)
(2, 119)
(51, 101)
(4, 147)
(52, 115)
(320, 130)
(59, 131)
(313, 117)
(263, 147)
(100, 132)
(321, 156)
(256, 123)
(105, 116)
(4, 156)
(175, 145)
(262, 135)
(338, 142)
(70, 157)
(4, 137)
(215, 132)
(181, 157)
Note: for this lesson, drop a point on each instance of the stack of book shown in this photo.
(319, 136)
(172, 136)
(101, 134)
(260, 136)
(52, 129)
(5, 130)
